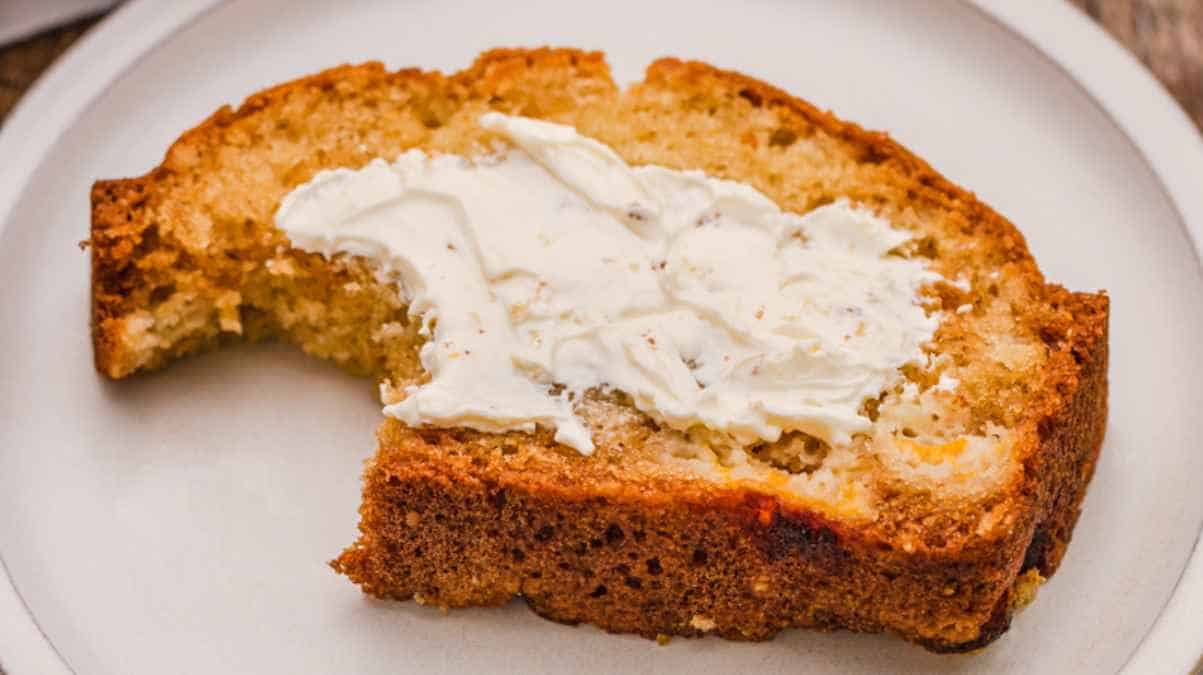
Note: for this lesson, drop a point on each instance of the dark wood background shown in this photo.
(1167, 35)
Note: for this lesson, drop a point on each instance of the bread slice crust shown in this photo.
(453, 527)
(456, 518)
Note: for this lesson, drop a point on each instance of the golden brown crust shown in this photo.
(873, 147)
(459, 518)
(1058, 470)
(201, 220)
(454, 525)
(669, 559)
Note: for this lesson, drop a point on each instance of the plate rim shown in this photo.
(1112, 79)
(1125, 91)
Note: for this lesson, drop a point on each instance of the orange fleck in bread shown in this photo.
(937, 525)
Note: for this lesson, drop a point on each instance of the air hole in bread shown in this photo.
(751, 97)
(795, 453)
(782, 137)
(161, 293)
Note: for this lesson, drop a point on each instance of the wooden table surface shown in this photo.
(1167, 35)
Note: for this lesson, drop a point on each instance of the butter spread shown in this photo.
(552, 267)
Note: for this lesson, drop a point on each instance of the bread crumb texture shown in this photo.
(971, 478)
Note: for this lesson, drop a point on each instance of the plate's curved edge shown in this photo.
(33, 126)
(1173, 148)
(30, 651)
(1151, 119)
(1125, 90)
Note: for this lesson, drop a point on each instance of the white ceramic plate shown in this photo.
(180, 521)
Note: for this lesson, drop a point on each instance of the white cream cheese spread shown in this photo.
(549, 268)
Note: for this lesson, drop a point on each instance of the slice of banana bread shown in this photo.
(937, 525)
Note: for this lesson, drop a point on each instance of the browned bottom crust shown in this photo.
(454, 529)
